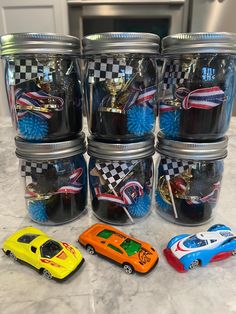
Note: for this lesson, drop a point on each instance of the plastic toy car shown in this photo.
(52, 259)
(187, 251)
(131, 253)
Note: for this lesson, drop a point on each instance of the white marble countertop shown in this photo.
(101, 287)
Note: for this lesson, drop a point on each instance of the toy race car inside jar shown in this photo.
(43, 85)
(198, 85)
(55, 179)
(121, 177)
(189, 179)
(121, 84)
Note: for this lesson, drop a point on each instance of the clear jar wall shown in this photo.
(55, 190)
(44, 96)
(197, 96)
(123, 198)
(121, 96)
(195, 188)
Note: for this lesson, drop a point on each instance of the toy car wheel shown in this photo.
(90, 249)
(47, 274)
(12, 256)
(194, 264)
(128, 268)
(234, 253)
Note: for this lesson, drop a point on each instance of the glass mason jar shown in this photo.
(121, 177)
(121, 84)
(188, 180)
(54, 177)
(42, 78)
(198, 85)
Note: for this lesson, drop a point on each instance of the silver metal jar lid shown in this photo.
(192, 151)
(184, 43)
(18, 43)
(121, 43)
(50, 151)
(128, 151)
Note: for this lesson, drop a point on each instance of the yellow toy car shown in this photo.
(53, 259)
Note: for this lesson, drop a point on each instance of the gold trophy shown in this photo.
(115, 87)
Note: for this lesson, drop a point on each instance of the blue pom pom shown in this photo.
(141, 207)
(140, 120)
(33, 127)
(170, 123)
(37, 211)
(163, 205)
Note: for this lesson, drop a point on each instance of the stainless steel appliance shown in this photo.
(157, 16)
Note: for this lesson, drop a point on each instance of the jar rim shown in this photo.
(202, 42)
(50, 151)
(121, 42)
(121, 151)
(213, 150)
(39, 43)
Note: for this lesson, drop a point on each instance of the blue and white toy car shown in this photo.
(187, 251)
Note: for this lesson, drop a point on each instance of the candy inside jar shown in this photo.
(121, 85)
(55, 180)
(189, 180)
(121, 184)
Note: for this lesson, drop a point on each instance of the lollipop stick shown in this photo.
(172, 199)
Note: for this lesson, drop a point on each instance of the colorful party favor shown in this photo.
(121, 85)
(55, 179)
(43, 85)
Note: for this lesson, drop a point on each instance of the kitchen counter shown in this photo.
(100, 286)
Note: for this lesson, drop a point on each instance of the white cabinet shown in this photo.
(30, 16)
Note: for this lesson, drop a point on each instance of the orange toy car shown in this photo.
(131, 253)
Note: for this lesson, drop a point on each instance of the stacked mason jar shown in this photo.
(44, 93)
(195, 100)
(121, 96)
(195, 107)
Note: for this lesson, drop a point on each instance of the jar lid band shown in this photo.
(38, 43)
(50, 151)
(184, 43)
(191, 150)
(120, 151)
(119, 43)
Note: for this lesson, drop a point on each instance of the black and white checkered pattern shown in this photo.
(114, 172)
(107, 68)
(173, 167)
(29, 167)
(24, 70)
(174, 74)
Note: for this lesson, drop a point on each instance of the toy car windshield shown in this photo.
(50, 248)
(194, 242)
(131, 247)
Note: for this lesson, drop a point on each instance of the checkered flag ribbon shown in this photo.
(173, 167)
(114, 172)
(24, 70)
(107, 68)
(28, 167)
(175, 74)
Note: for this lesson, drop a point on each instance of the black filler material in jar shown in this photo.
(189, 179)
(121, 177)
(43, 85)
(55, 179)
(121, 85)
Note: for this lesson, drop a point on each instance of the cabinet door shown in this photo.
(30, 16)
